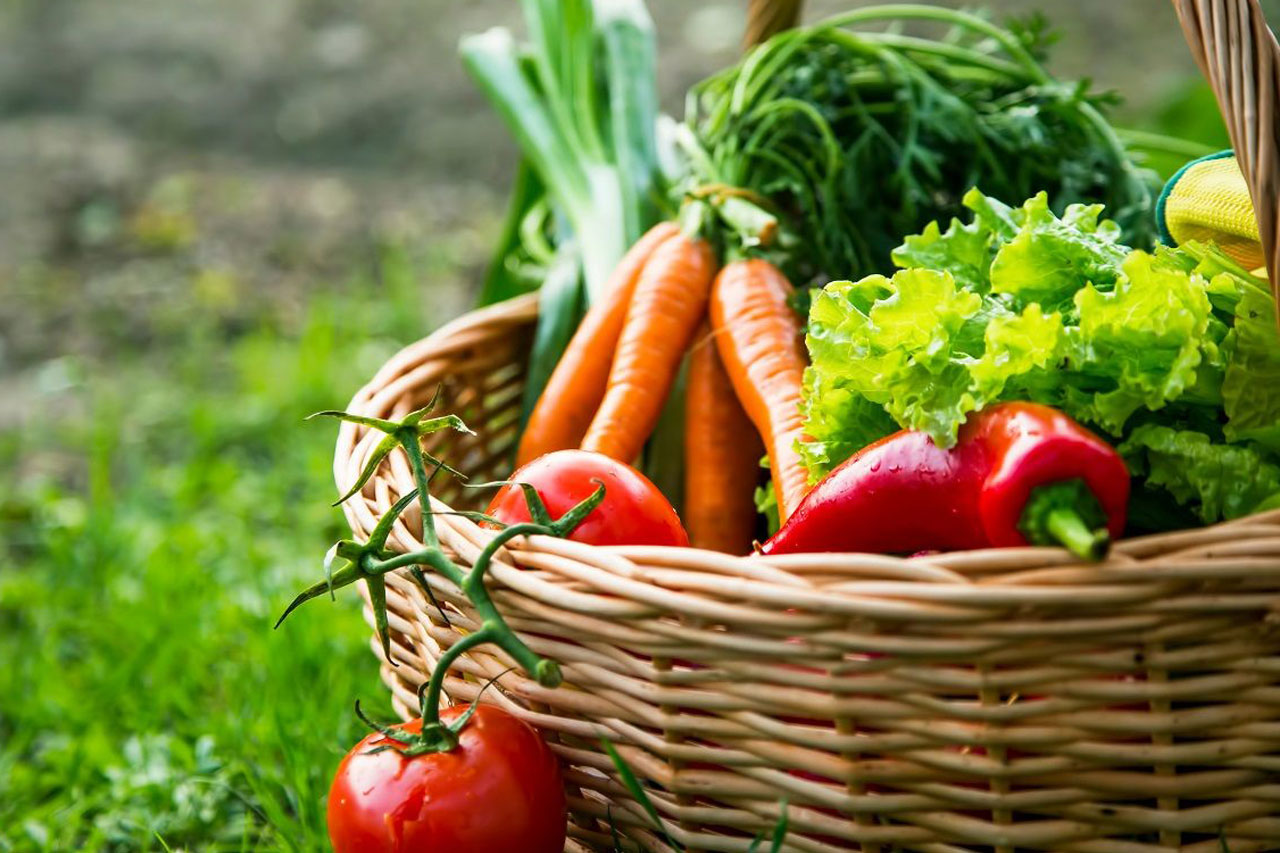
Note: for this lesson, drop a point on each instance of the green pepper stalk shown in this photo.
(371, 561)
(1066, 513)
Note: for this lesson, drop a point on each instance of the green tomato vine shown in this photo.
(370, 561)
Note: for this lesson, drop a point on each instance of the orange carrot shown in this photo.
(577, 385)
(721, 456)
(758, 336)
(669, 302)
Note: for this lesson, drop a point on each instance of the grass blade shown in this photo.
(779, 835)
(633, 786)
(780, 830)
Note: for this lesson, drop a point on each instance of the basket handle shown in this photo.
(1239, 55)
(769, 17)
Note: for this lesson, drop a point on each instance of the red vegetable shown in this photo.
(633, 512)
(498, 790)
(1020, 473)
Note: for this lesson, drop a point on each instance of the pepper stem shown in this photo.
(1069, 529)
(1067, 513)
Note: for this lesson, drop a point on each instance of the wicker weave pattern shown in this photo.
(998, 700)
(1239, 55)
(766, 18)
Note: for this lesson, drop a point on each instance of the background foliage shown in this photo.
(219, 216)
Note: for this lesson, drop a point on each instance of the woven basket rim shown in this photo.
(997, 576)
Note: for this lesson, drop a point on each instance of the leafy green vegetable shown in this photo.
(1226, 480)
(1147, 338)
(852, 139)
(588, 135)
(766, 500)
(1048, 257)
(581, 101)
(1251, 387)
(1174, 353)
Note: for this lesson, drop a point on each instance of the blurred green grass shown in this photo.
(166, 507)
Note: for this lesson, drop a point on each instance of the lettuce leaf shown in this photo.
(1147, 338)
(929, 352)
(1022, 304)
(1225, 480)
(965, 251)
(867, 337)
(1251, 387)
(1017, 345)
(1049, 258)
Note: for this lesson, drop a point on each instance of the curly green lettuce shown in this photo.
(1020, 303)
(1220, 480)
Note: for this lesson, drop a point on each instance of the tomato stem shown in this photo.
(420, 479)
(429, 705)
(372, 560)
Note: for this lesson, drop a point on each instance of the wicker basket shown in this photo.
(995, 700)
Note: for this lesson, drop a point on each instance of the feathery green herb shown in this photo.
(852, 139)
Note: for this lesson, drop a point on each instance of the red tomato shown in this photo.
(633, 512)
(499, 790)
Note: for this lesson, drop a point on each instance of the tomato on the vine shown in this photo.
(634, 511)
(499, 789)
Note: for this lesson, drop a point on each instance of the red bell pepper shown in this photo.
(1020, 473)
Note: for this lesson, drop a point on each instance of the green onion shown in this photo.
(587, 134)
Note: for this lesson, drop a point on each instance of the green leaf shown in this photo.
(501, 281)
(1251, 386)
(1049, 258)
(895, 321)
(766, 500)
(633, 786)
(1145, 340)
(965, 251)
(890, 342)
(993, 215)
(1016, 345)
(560, 309)
(838, 421)
(1227, 481)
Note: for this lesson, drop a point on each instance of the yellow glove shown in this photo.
(1208, 199)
